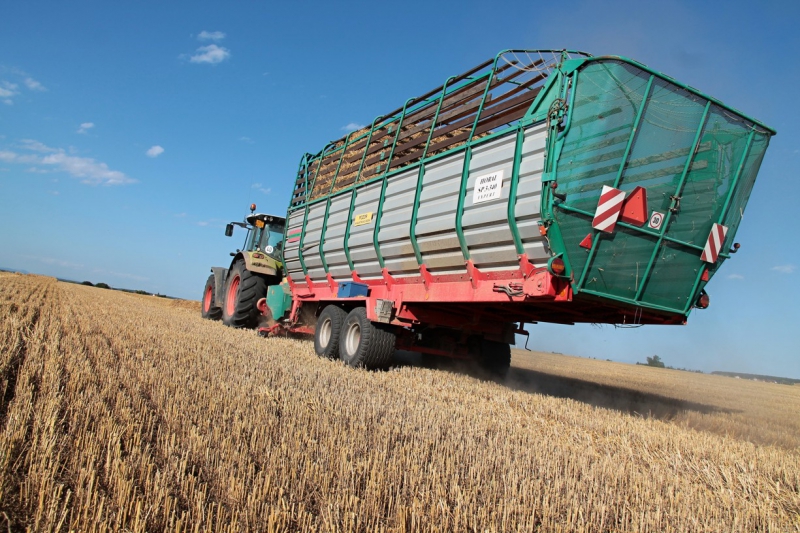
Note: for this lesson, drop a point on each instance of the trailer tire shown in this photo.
(363, 344)
(243, 290)
(495, 357)
(327, 331)
(209, 309)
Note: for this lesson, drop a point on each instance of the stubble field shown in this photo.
(123, 412)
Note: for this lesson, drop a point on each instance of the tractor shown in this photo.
(232, 294)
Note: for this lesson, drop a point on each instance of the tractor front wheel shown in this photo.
(243, 289)
(209, 309)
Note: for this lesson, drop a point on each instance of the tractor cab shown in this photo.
(264, 233)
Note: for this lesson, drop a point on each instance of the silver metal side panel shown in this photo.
(528, 206)
(316, 214)
(290, 256)
(333, 247)
(436, 228)
(394, 233)
(362, 247)
(485, 224)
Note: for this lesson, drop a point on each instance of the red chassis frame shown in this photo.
(446, 300)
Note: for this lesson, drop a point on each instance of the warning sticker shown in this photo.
(364, 218)
(656, 219)
(487, 187)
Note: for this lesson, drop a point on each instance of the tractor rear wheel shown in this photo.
(326, 334)
(243, 289)
(363, 344)
(209, 310)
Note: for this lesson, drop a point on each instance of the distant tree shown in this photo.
(655, 361)
(105, 286)
(139, 291)
(89, 283)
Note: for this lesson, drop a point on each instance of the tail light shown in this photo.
(556, 266)
(703, 301)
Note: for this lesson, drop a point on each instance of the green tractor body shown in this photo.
(232, 294)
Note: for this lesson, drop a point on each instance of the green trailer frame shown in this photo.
(715, 147)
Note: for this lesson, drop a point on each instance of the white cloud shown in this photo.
(7, 91)
(260, 187)
(247, 140)
(86, 126)
(86, 169)
(211, 36)
(211, 54)
(90, 171)
(735, 276)
(784, 269)
(36, 146)
(353, 126)
(34, 85)
(154, 151)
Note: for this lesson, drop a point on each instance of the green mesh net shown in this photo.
(694, 180)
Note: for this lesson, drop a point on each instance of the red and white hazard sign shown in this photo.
(714, 243)
(608, 209)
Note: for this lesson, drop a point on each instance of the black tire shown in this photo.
(209, 308)
(495, 357)
(243, 290)
(326, 333)
(363, 344)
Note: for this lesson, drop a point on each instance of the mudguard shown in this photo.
(220, 275)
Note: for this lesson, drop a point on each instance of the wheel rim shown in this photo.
(325, 330)
(233, 292)
(207, 299)
(353, 338)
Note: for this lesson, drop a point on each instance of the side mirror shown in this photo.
(229, 230)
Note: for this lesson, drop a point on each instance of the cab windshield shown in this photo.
(268, 239)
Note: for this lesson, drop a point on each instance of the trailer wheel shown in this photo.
(209, 310)
(326, 334)
(495, 357)
(243, 289)
(363, 344)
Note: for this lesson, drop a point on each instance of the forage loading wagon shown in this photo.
(538, 186)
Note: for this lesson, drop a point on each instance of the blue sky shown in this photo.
(131, 133)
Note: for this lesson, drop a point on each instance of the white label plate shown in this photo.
(487, 187)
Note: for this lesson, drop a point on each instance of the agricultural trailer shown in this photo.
(539, 186)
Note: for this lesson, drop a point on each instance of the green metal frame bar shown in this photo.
(379, 213)
(304, 162)
(328, 205)
(723, 214)
(305, 221)
(625, 156)
(512, 191)
(462, 191)
(412, 231)
(554, 145)
(649, 233)
(355, 193)
(668, 218)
